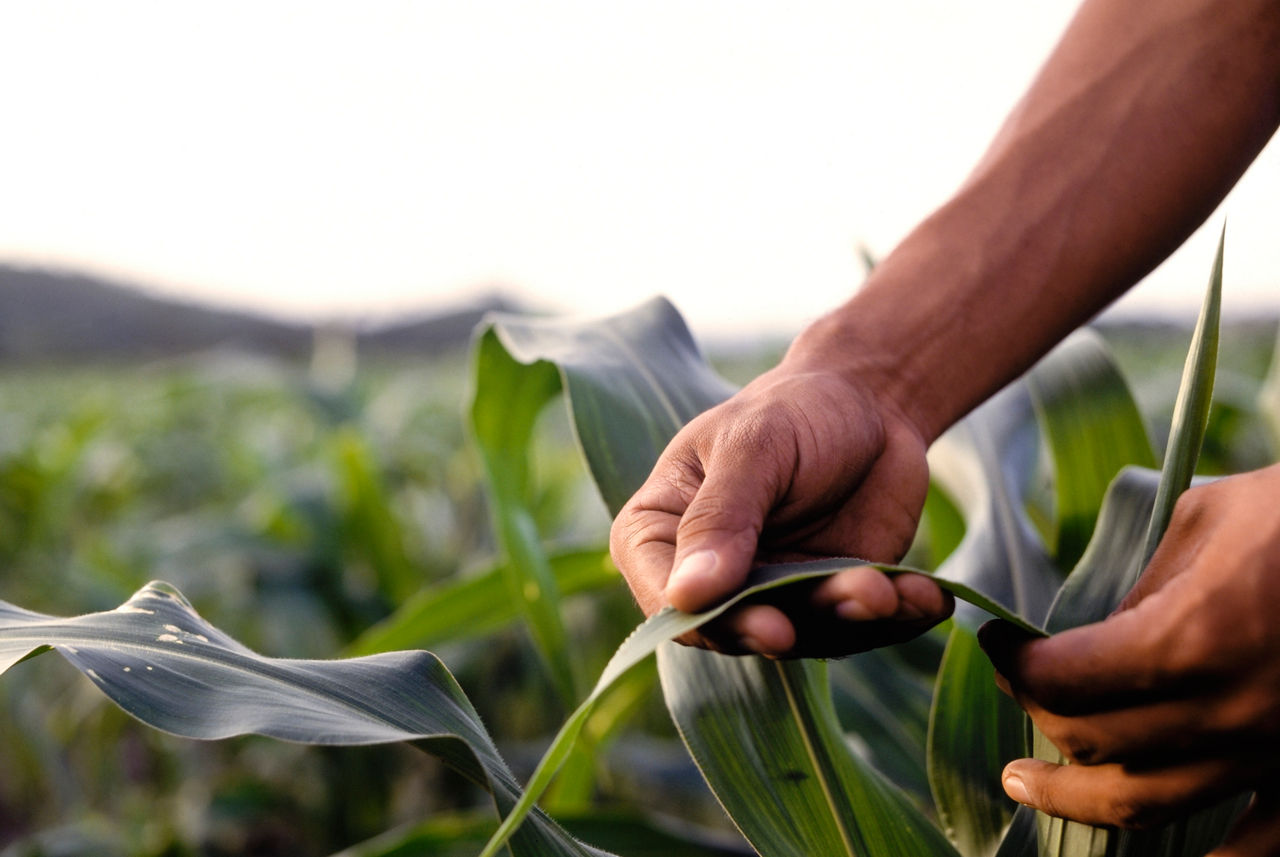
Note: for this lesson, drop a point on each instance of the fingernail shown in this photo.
(696, 566)
(1015, 788)
(853, 610)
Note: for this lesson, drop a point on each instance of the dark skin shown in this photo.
(1173, 703)
(1139, 123)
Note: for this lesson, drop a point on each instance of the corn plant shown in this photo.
(766, 734)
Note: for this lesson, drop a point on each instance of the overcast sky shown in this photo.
(321, 158)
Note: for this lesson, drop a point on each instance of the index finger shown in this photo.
(643, 545)
(1130, 657)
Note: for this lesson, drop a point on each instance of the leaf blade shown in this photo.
(161, 662)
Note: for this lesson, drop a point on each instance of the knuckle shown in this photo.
(1080, 749)
(710, 512)
(1193, 505)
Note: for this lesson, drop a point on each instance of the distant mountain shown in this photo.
(432, 333)
(48, 315)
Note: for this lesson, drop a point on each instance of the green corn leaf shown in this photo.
(1190, 409)
(974, 731)
(983, 464)
(1093, 428)
(1020, 838)
(632, 380)
(772, 721)
(1194, 836)
(156, 658)
(1114, 558)
(471, 606)
(801, 713)
(575, 786)
(369, 518)
(507, 399)
(882, 698)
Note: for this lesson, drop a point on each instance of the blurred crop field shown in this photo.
(297, 508)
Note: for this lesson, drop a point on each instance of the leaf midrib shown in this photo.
(804, 727)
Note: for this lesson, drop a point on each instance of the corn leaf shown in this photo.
(771, 724)
(632, 380)
(156, 658)
(882, 698)
(1020, 838)
(984, 464)
(369, 517)
(507, 399)
(974, 731)
(1093, 429)
(1190, 409)
(807, 709)
(471, 606)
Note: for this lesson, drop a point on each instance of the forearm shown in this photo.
(1141, 120)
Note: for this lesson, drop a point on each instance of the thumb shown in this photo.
(717, 537)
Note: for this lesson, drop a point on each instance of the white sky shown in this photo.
(321, 158)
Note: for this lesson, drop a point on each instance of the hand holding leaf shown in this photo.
(799, 465)
(1172, 703)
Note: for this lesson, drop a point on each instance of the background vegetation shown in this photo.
(298, 498)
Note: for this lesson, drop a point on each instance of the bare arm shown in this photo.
(1140, 121)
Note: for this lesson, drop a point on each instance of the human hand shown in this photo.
(800, 464)
(1173, 702)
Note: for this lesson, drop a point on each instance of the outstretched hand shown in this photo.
(800, 464)
(1173, 702)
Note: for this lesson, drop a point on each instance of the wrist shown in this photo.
(843, 344)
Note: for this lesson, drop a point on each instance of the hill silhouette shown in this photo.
(48, 315)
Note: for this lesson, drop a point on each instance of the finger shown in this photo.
(921, 597)
(1190, 728)
(1130, 659)
(1110, 795)
(643, 555)
(717, 535)
(642, 539)
(1176, 553)
(761, 629)
(861, 594)
(1257, 833)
